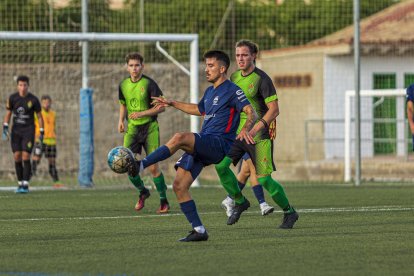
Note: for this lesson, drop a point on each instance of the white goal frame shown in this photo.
(347, 131)
(140, 37)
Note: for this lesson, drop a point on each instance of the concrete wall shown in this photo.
(297, 104)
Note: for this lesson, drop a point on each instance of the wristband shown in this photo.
(264, 123)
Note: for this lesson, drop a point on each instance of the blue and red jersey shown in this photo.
(221, 107)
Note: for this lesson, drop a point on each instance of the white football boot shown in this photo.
(266, 208)
(228, 205)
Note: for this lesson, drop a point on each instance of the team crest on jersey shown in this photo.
(251, 88)
(215, 101)
(142, 89)
(133, 103)
(29, 104)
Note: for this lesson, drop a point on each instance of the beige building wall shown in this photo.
(297, 104)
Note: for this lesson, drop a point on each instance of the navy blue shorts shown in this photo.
(208, 149)
(246, 156)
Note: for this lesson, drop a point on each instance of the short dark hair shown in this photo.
(134, 56)
(46, 97)
(23, 79)
(220, 56)
(253, 48)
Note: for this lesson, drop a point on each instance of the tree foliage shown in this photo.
(295, 22)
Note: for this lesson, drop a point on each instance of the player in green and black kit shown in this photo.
(259, 89)
(135, 94)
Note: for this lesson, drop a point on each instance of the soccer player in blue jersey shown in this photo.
(410, 109)
(220, 105)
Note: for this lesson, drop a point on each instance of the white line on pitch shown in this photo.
(302, 211)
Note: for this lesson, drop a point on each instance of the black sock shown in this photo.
(27, 169)
(34, 166)
(53, 172)
(19, 170)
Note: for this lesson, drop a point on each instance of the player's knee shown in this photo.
(178, 188)
(154, 171)
(179, 138)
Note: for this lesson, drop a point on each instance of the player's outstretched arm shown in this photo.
(247, 133)
(189, 108)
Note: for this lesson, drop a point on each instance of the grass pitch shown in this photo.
(342, 230)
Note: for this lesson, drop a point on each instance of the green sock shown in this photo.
(277, 192)
(137, 182)
(160, 185)
(229, 181)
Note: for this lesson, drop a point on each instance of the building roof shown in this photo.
(394, 24)
(388, 31)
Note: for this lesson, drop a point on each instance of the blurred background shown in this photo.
(306, 47)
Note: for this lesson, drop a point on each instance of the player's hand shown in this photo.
(5, 135)
(160, 102)
(42, 134)
(272, 130)
(121, 127)
(245, 136)
(134, 115)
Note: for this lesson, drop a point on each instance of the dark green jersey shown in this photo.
(259, 90)
(136, 96)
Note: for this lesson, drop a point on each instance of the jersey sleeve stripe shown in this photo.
(230, 122)
(271, 99)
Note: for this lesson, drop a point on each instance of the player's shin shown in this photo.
(160, 186)
(229, 181)
(137, 182)
(190, 211)
(27, 170)
(276, 191)
(53, 172)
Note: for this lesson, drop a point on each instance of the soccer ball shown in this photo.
(119, 158)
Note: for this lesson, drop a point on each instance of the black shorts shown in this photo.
(239, 149)
(22, 139)
(49, 151)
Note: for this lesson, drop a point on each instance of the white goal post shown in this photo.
(348, 115)
(85, 37)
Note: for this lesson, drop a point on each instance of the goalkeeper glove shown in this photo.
(5, 134)
(42, 134)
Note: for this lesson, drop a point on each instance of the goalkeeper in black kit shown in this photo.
(22, 105)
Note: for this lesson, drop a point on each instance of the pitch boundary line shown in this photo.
(301, 211)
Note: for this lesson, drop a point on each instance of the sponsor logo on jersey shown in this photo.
(215, 101)
(206, 117)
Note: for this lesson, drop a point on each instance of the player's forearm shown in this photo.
(40, 120)
(251, 118)
(7, 117)
(188, 108)
(151, 112)
(122, 113)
